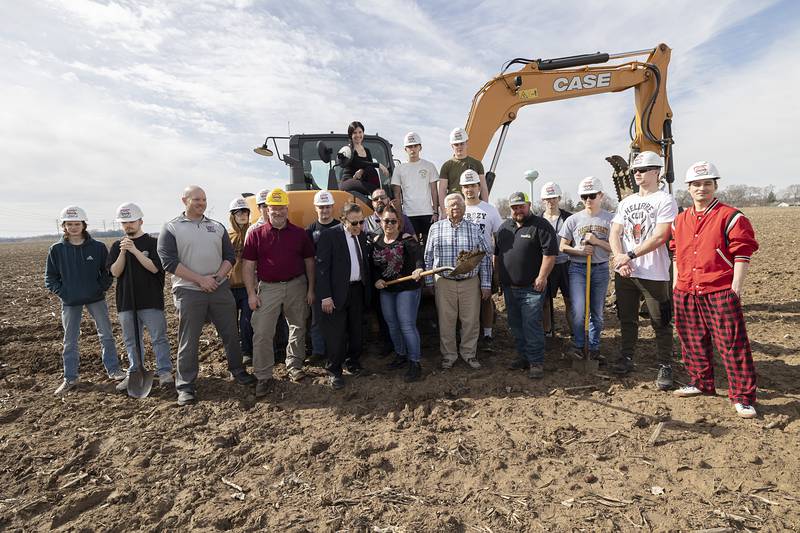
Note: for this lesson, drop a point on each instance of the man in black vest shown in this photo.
(342, 292)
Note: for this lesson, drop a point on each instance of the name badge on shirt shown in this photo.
(525, 236)
(211, 228)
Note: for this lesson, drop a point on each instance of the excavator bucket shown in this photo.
(621, 176)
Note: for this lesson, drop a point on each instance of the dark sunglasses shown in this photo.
(355, 223)
(390, 221)
(644, 169)
(589, 196)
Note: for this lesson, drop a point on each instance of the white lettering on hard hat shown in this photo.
(587, 81)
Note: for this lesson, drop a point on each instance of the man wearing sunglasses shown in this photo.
(372, 224)
(343, 280)
(639, 232)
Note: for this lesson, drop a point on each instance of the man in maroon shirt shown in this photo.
(282, 256)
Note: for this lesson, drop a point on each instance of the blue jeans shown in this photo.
(400, 312)
(597, 296)
(317, 339)
(156, 324)
(71, 320)
(524, 310)
(244, 313)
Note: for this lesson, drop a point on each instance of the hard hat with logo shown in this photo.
(702, 170)
(469, 177)
(412, 138)
(73, 213)
(590, 185)
(518, 198)
(261, 197)
(647, 159)
(458, 135)
(128, 212)
(550, 190)
(324, 197)
(238, 203)
(277, 196)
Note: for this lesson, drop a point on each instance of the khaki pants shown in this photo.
(291, 296)
(458, 301)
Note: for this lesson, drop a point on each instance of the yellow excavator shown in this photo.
(315, 160)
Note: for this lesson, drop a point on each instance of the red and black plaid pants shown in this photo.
(715, 318)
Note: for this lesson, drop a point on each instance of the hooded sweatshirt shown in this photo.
(237, 233)
(78, 274)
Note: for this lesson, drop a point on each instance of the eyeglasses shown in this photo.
(377, 198)
(589, 196)
(355, 223)
(390, 221)
(643, 170)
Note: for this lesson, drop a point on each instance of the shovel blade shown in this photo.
(586, 366)
(140, 383)
(468, 262)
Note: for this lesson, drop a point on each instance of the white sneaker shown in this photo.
(118, 375)
(687, 392)
(473, 363)
(745, 411)
(66, 386)
(165, 379)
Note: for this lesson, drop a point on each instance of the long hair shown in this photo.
(352, 128)
(84, 233)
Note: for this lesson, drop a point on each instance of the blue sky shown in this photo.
(108, 102)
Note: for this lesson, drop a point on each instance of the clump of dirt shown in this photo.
(463, 450)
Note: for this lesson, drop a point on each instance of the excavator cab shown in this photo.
(313, 165)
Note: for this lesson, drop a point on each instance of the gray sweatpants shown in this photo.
(193, 307)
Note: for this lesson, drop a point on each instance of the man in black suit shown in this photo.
(342, 292)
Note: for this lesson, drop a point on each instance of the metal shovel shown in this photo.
(586, 364)
(140, 383)
(465, 263)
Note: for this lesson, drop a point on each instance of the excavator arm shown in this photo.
(496, 104)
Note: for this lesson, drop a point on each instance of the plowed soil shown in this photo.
(464, 450)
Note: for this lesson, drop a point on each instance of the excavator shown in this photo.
(315, 160)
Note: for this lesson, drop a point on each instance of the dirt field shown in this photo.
(487, 450)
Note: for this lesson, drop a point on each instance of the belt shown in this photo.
(276, 282)
(355, 282)
(459, 279)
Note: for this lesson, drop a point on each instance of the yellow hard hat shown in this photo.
(277, 196)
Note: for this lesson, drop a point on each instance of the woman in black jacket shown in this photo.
(360, 173)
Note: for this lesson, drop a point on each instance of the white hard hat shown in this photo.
(73, 213)
(345, 152)
(324, 197)
(458, 135)
(469, 177)
(550, 190)
(647, 159)
(702, 170)
(412, 138)
(238, 203)
(261, 197)
(590, 185)
(128, 212)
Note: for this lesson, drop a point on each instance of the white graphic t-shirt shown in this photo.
(415, 180)
(486, 217)
(638, 216)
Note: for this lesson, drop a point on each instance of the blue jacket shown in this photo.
(78, 274)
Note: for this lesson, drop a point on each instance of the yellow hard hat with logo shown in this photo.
(277, 196)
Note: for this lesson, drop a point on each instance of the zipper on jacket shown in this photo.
(724, 258)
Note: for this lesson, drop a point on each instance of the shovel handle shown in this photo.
(426, 273)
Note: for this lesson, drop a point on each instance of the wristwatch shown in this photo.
(632, 254)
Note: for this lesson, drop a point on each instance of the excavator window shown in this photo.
(316, 171)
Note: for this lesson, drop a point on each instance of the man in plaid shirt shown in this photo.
(713, 243)
(458, 298)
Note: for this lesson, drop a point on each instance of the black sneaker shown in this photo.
(486, 343)
(622, 366)
(399, 361)
(413, 373)
(594, 355)
(336, 381)
(664, 377)
(264, 387)
(354, 369)
(519, 364)
(186, 397)
(244, 378)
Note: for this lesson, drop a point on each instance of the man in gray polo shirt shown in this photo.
(197, 251)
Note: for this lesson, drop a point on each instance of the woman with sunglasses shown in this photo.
(396, 254)
(584, 236)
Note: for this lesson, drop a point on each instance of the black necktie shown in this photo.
(360, 259)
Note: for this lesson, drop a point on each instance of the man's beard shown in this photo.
(380, 209)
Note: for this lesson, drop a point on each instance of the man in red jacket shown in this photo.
(712, 244)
